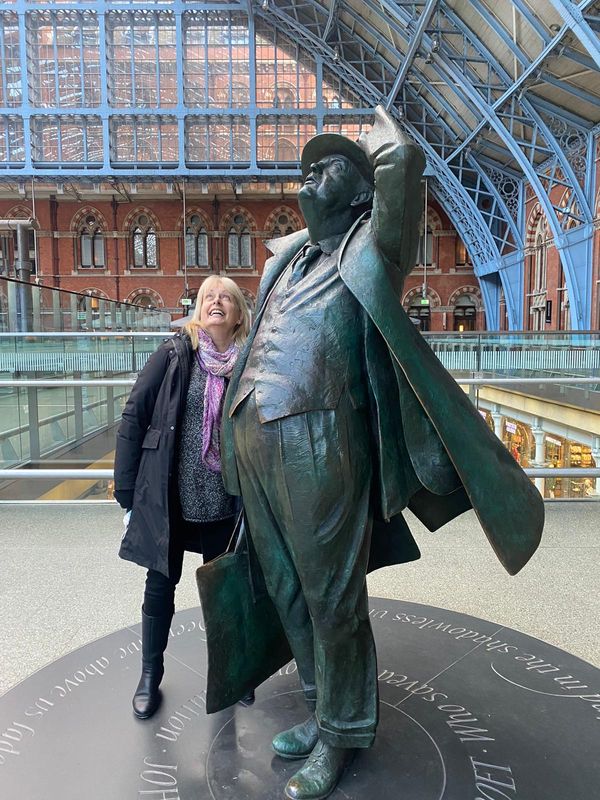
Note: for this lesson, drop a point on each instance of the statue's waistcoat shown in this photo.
(440, 434)
(307, 348)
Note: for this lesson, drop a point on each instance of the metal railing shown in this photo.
(92, 474)
(27, 307)
(98, 362)
(547, 355)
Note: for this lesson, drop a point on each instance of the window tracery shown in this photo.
(91, 244)
(239, 249)
(143, 242)
(196, 242)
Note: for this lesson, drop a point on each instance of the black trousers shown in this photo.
(209, 538)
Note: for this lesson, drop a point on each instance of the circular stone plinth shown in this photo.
(469, 710)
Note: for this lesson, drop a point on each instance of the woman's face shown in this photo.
(219, 315)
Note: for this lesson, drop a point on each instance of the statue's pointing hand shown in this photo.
(384, 132)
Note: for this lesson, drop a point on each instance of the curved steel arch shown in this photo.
(574, 16)
(376, 48)
(482, 188)
(450, 192)
(574, 247)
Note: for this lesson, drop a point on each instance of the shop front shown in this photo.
(519, 441)
(576, 455)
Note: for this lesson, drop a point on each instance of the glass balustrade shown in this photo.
(31, 307)
(551, 425)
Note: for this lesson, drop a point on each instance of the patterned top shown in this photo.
(201, 492)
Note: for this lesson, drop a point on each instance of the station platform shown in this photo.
(467, 708)
(486, 681)
(62, 584)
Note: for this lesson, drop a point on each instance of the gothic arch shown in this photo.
(80, 216)
(434, 221)
(133, 215)
(157, 300)
(434, 298)
(192, 294)
(533, 226)
(91, 291)
(472, 290)
(293, 216)
(189, 212)
(228, 219)
(19, 211)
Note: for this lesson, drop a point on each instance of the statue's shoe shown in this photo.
(321, 774)
(298, 741)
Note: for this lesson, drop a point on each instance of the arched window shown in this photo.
(143, 242)
(420, 314)
(286, 150)
(425, 250)
(283, 226)
(465, 313)
(91, 244)
(239, 250)
(538, 307)
(145, 298)
(540, 264)
(563, 317)
(503, 311)
(460, 252)
(196, 242)
(284, 97)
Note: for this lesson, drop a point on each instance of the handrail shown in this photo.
(51, 382)
(463, 337)
(99, 474)
(64, 474)
(54, 382)
(7, 434)
(82, 334)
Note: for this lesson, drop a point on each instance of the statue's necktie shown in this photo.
(310, 253)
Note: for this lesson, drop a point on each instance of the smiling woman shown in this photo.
(221, 311)
(168, 468)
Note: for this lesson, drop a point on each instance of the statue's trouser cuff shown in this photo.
(305, 482)
(362, 738)
(310, 693)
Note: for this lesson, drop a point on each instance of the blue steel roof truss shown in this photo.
(482, 145)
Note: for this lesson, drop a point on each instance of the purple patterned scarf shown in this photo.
(217, 366)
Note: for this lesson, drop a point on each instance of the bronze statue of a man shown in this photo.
(339, 416)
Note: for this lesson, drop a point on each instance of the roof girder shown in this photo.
(459, 205)
(498, 210)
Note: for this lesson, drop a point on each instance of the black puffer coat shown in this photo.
(145, 459)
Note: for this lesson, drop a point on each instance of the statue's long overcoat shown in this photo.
(432, 450)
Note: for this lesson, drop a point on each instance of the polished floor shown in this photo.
(62, 584)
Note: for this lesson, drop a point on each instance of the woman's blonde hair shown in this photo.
(242, 330)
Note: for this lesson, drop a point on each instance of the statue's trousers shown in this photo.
(305, 482)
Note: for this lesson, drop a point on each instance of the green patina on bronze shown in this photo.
(349, 375)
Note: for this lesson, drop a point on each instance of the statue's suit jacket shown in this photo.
(432, 450)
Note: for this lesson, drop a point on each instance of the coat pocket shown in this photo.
(151, 439)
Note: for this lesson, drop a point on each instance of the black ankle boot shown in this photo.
(155, 635)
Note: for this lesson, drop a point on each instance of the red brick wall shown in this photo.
(58, 248)
(555, 280)
(58, 251)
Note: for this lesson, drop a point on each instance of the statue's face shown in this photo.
(331, 185)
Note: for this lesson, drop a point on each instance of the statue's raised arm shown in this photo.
(398, 166)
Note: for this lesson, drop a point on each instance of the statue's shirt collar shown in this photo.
(331, 243)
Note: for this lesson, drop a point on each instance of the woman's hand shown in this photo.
(124, 498)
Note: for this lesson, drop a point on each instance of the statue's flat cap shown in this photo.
(329, 144)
